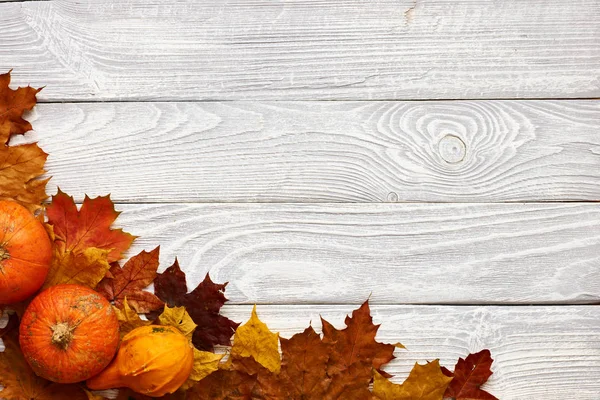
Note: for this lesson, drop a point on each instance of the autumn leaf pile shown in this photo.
(252, 362)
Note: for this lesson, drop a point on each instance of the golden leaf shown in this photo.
(425, 382)
(205, 363)
(254, 339)
(87, 267)
(179, 318)
(129, 319)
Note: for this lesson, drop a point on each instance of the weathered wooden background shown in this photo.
(441, 156)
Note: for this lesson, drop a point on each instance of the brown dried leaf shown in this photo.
(356, 342)
(137, 273)
(21, 167)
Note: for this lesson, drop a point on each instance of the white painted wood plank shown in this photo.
(303, 49)
(539, 352)
(441, 151)
(399, 253)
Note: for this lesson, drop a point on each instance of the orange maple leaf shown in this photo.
(18, 379)
(84, 243)
(20, 166)
(137, 273)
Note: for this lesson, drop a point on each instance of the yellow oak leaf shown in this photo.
(254, 339)
(179, 318)
(128, 319)
(425, 382)
(87, 267)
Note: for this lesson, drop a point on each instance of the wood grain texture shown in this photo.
(303, 49)
(441, 151)
(399, 253)
(539, 352)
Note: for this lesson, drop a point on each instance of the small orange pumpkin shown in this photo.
(25, 253)
(69, 333)
(153, 360)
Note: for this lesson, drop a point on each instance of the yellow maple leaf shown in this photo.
(425, 382)
(254, 339)
(128, 318)
(87, 267)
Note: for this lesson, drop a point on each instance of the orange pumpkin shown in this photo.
(153, 360)
(69, 333)
(25, 253)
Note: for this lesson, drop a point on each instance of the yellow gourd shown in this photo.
(153, 360)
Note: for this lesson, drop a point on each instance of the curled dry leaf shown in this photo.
(84, 243)
(469, 374)
(22, 166)
(203, 304)
(128, 319)
(137, 273)
(425, 382)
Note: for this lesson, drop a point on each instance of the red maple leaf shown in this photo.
(203, 304)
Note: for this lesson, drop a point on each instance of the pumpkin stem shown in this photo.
(62, 334)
